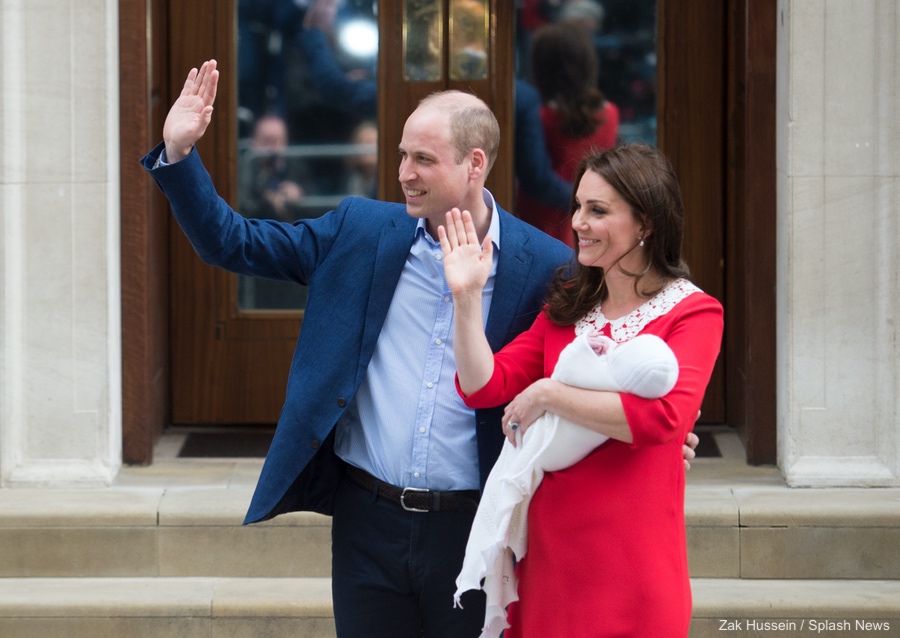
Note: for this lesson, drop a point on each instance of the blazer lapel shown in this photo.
(393, 247)
(513, 267)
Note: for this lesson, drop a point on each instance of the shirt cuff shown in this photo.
(161, 160)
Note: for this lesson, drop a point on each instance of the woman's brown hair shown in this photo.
(565, 67)
(644, 178)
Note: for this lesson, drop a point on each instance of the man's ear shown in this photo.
(477, 163)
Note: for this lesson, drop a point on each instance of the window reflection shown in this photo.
(306, 117)
(623, 33)
(469, 21)
(423, 40)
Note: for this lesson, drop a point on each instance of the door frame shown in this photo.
(749, 346)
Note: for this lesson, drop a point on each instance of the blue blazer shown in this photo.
(351, 259)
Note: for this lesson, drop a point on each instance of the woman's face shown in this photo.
(607, 232)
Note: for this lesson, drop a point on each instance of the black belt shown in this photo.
(415, 499)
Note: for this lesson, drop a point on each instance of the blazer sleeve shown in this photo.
(225, 239)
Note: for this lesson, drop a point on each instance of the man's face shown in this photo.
(270, 136)
(432, 180)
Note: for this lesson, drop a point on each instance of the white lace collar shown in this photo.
(627, 327)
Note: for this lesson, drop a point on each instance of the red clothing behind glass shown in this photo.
(566, 153)
(607, 553)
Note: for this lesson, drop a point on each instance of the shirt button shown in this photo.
(429, 385)
(417, 475)
(438, 257)
(342, 402)
(314, 444)
(422, 430)
(437, 342)
(446, 297)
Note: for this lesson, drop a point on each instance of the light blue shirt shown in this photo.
(407, 424)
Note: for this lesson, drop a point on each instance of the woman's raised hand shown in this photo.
(191, 113)
(467, 262)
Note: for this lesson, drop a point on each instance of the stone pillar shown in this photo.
(838, 147)
(60, 352)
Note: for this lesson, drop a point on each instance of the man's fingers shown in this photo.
(211, 83)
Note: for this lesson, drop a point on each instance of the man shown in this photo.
(372, 431)
(270, 187)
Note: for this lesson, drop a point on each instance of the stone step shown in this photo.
(165, 607)
(830, 608)
(753, 531)
(291, 607)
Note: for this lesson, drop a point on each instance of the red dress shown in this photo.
(566, 153)
(607, 553)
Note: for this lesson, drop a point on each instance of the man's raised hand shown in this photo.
(191, 113)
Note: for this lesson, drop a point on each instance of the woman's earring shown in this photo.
(641, 244)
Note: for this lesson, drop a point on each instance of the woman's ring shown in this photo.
(513, 426)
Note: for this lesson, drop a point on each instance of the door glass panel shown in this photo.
(469, 21)
(307, 134)
(623, 34)
(423, 40)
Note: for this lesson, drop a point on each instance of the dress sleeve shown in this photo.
(693, 330)
(519, 364)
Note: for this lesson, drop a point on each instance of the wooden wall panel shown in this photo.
(750, 218)
(144, 230)
(691, 112)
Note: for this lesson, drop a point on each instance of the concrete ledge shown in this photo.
(225, 607)
(827, 507)
(170, 597)
(188, 524)
(726, 597)
(166, 607)
(829, 608)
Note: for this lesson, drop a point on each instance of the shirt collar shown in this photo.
(493, 227)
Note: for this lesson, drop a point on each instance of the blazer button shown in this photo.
(314, 444)
(342, 402)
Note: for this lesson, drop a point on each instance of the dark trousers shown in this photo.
(394, 572)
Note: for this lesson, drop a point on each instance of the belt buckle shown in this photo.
(403, 498)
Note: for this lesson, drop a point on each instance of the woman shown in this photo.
(576, 118)
(606, 548)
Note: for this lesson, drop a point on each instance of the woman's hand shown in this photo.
(467, 262)
(525, 409)
(191, 113)
(467, 266)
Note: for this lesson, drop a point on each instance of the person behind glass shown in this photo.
(372, 431)
(268, 187)
(606, 546)
(361, 174)
(575, 116)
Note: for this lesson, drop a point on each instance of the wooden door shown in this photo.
(228, 365)
(691, 114)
